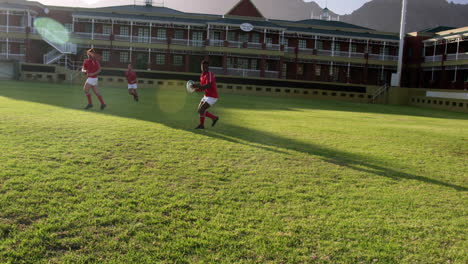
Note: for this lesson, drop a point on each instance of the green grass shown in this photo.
(278, 180)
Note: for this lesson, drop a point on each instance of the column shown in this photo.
(8, 21)
(224, 64)
(458, 48)
(131, 31)
(227, 32)
(264, 35)
(315, 42)
(188, 36)
(333, 46)
(383, 53)
(348, 75)
(29, 19)
(350, 47)
(73, 24)
(435, 48)
(92, 29)
(7, 48)
(149, 60)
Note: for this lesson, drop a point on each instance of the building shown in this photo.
(241, 43)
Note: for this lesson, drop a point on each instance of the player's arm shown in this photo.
(83, 68)
(201, 87)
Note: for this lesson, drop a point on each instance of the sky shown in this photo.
(338, 6)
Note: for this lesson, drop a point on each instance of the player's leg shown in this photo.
(99, 96)
(211, 101)
(202, 107)
(86, 88)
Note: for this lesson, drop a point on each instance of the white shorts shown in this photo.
(210, 100)
(132, 86)
(92, 81)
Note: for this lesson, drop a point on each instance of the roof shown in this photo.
(318, 22)
(436, 29)
(344, 33)
(167, 19)
(15, 6)
(255, 23)
(141, 9)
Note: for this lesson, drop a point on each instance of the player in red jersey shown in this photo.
(92, 68)
(132, 82)
(208, 85)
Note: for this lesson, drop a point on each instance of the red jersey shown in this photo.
(206, 78)
(91, 66)
(131, 77)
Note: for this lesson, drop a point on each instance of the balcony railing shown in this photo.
(273, 46)
(197, 43)
(254, 45)
(183, 42)
(243, 72)
(271, 74)
(306, 51)
(82, 35)
(16, 29)
(433, 58)
(216, 43)
(153, 40)
(235, 44)
(461, 56)
(321, 52)
(290, 49)
(16, 57)
(101, 36)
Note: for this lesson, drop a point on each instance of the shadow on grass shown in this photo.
(120, 105)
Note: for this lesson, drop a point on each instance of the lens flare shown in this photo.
(51, 30)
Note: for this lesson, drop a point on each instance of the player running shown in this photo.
(207, 84)
(132, 82)
(92, 68)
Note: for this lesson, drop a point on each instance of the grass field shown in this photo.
(277, 180)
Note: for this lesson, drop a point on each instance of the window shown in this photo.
(231, 36)
(335, 73)
(319, 44)
(302, 44)
(124, 58)
(300, 69)
(285, 42)
(366, 49)
(143, 35)
(105, 55)
(22, 49)
(124, 31)
(243, 63)
(161, 33)
(384, 51)
(336, 46)
(197, 38)
(318, 70)
(160, 59)
(244, 37)
(253, 64)
(88, 28)
(269, 42)
(256, 38)
(107, 29)
(230, 62)
(178, 60)
(284, 70)
(179, 34)
(3, 48)
(69, 27)
(353, 48)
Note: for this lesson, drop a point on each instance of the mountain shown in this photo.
(277, 9)
(385, 15)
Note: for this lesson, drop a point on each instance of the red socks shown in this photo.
(202, 120)
(100, 99)
(210, 115)
(88, 95)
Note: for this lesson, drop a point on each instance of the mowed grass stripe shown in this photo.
(278, 180)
